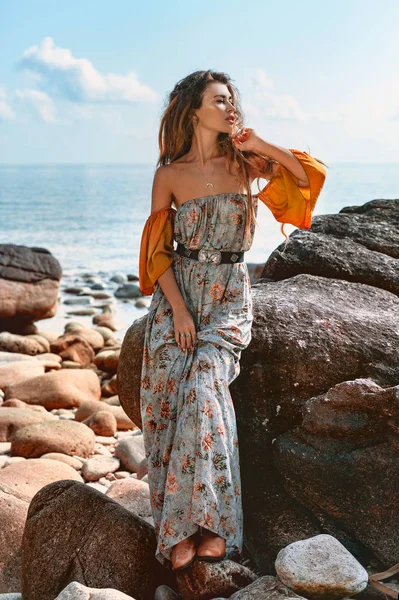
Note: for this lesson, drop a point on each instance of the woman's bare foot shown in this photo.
(211, 547)
(183, 553)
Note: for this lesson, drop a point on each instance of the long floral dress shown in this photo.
(189, 424)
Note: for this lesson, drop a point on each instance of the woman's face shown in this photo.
(216, 108)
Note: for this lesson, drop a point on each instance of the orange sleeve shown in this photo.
(288, 202)
(156, 248)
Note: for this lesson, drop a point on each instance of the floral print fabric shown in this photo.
(189, 424)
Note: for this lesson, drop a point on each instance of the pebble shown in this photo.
(104, 481)
(119, 277)
(122, 474)
(128, 290)
(82, 312)
(320, 566)
(120, 435)
(67, 417)
(80, 300)
(131, 452)
(106, 440)
(164, 592)
(98, 466)
(78, 591)
(101, 450)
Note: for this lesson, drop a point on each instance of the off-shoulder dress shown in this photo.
(188, 418)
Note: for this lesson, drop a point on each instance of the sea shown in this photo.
(91, 217)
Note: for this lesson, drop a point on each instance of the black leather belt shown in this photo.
(210, 255)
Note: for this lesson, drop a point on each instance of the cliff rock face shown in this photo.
(29, 286)
(317, 398)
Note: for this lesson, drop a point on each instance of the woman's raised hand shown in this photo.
(184, 324)
(245, 139)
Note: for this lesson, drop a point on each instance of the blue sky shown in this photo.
(86, 82)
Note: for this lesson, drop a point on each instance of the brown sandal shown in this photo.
(374, 581)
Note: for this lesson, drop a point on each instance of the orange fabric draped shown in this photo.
(156, 248)
(288, 202)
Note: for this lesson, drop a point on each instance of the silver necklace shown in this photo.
(209, 183)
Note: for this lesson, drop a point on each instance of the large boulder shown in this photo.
(29, 286)
(14, 506)
(96, 541)
(320, 321)
(15, 372)
(360, 243)
(343, 462)
(129, 370)
(325, 322)
(66, 388)
(309, 333)
(27, 477)
(12, 419)
(65, 436)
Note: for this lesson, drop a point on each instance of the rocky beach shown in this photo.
(317, 406)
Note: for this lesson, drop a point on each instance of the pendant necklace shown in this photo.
(209, 183)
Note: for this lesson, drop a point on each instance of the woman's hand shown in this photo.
(245, 139)
(184, 323)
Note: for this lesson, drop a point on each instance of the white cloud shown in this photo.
(76, 79)
(6, 112)
(265, 102)
(261, 80)
(41, 102)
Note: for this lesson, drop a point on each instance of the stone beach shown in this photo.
(317, 405)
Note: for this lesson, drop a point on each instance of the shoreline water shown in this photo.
(124, 310)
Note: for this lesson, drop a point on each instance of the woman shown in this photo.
(200, 316)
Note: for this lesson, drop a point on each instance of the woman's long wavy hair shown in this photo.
(177, 130)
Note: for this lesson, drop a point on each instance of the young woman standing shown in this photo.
(200, 316)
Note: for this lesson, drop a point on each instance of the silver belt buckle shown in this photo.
(210, 256)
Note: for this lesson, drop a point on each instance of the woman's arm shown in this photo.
(283, 156)
(169, 286)
(162, 198)
(183, 320)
